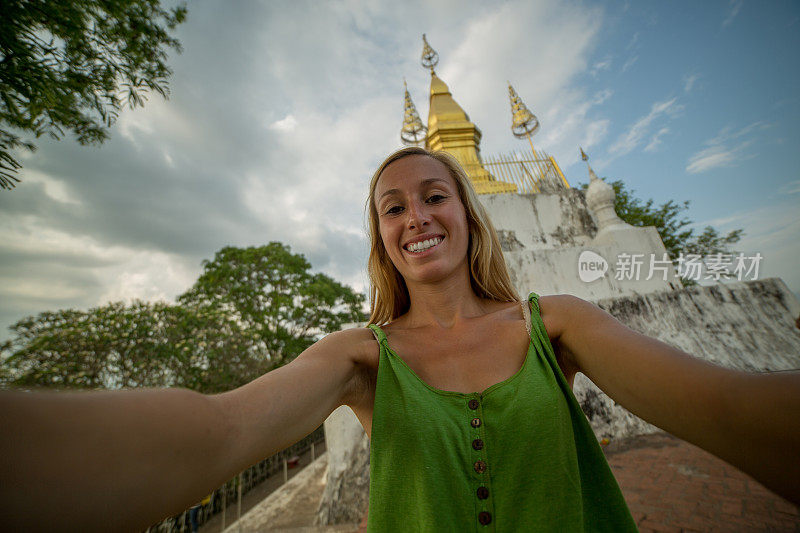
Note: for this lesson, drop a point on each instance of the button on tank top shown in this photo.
(518, 456)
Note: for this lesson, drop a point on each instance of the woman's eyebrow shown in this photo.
(424, 182)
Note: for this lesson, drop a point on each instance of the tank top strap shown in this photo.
(536, 330)
(541, 340)
(533, 298)
(380, 336)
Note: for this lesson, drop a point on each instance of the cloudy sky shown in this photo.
(280, 111)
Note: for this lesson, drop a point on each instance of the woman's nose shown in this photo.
(417, 216)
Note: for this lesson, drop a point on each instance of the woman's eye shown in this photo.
(393, 210)
(436, 198)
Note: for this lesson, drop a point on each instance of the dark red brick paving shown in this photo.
(671, 485)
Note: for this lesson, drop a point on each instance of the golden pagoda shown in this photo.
(450, 129)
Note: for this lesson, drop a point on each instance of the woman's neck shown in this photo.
(444, 304)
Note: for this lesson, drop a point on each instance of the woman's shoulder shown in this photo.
(357, 344)
(351, 337)
(561, 311)
(557, 302)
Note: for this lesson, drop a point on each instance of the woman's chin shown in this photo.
(433, 272)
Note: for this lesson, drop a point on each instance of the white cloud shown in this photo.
(145, 275)
(575, 128)
(689, 81)
(54, 188)
(287, 123)
(34, 289)
(633, 42)
(656, 140)
(158, 117)
(120, 272)
(168, 158)
(724, 149)
(600, 66)
(713, 157)
(793, 187)
(601, 96)
(636, 133)
(728, 132)
(733, 9)
(563, 37)
(629, 63)
(770, 230)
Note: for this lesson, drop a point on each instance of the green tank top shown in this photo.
(519, 456)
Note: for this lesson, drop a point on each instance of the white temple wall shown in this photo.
(742, 325)
(346, 493)
(543, 236)
(540, 221)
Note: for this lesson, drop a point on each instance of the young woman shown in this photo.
(472, 419)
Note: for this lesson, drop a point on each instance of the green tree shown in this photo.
(98, 348)
(252, 309)
(137, 345)
(72, 66)
(711, 242)
(273, 295)
(672, 228)
(210, 351)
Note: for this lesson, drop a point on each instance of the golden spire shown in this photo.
(524, 123)
(583, 155)
(413, 131)
(450, 129)
(429, 56)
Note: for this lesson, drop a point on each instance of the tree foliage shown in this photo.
(137, 345)
(252, 309)
(72, 66)
(712, 242)
(275, 297)
(674, 231)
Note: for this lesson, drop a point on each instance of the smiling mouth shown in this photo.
(423, 246)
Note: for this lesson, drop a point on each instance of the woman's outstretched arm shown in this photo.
(749, 420)
(123, 460)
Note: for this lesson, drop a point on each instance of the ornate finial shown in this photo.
(524, 123)
(413, 131)
(592, 175)
(429, 56)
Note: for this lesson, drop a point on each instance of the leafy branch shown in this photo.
(72, 66)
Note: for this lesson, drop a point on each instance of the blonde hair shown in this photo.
(488, 274)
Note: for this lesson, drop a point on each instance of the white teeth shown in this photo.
(424, 245)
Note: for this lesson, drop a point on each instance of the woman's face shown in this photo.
(422, 222)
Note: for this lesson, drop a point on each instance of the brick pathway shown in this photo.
(671, 485)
